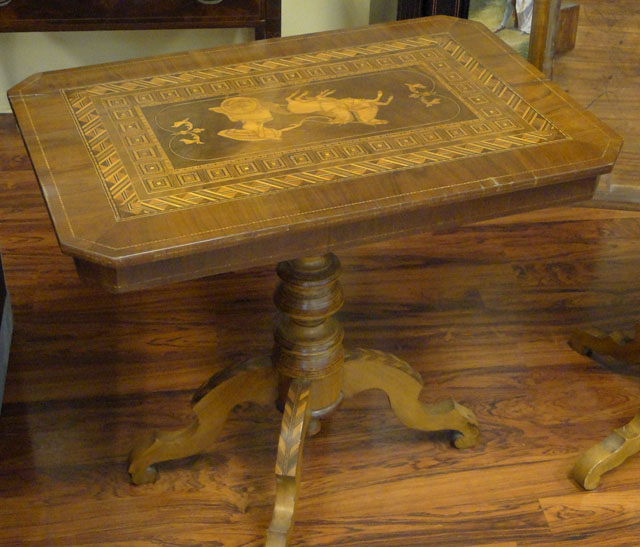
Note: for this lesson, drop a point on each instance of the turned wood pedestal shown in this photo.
(308, 374)
(183, 166)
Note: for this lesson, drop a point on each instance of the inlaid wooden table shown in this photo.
(182, 166)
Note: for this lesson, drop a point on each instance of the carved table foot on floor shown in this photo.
(370, 369)
(617, 345)
(252, 381)
(625, 441)
(609, 454)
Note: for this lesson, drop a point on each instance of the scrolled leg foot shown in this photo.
(254, 381)
(295, 422)
(369, 369)
(607, 455)
(623, 442)
(616, 345)
(147, 475)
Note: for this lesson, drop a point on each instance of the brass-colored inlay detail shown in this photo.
(253, 114)
(176, 141)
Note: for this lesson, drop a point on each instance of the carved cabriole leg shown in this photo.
(368, 369)
(253, 381)
(295, 421)
(625, 441)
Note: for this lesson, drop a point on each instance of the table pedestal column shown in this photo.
(309, 358)
(308, 339)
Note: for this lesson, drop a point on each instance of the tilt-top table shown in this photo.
(182, 166)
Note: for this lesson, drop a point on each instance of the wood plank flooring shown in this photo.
(603, 74)
(483, 314)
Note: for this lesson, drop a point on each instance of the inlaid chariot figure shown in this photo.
(253, 114)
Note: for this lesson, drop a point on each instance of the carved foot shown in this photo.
(295, 421)
(607, 455)
(369, 369)
(623, 442)
(255, 381)
(617, 345)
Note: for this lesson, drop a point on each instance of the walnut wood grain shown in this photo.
(308, 339)
(331, 159)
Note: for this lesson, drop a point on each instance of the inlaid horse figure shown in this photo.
(339, 111)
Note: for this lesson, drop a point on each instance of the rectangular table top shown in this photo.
(185, 165)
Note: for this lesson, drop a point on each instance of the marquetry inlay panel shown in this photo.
(180, 140)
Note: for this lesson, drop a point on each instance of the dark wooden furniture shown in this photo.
(567, 27)
(51, 15)
(187, 165)
(409, 9)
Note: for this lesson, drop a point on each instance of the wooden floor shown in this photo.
(483, 314)
(603, 74)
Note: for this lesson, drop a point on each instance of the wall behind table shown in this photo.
(23, 54)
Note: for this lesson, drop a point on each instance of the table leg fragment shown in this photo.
(295, 421)
(255, 381)
(370, 369)
(607, 455)
(625, 441)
